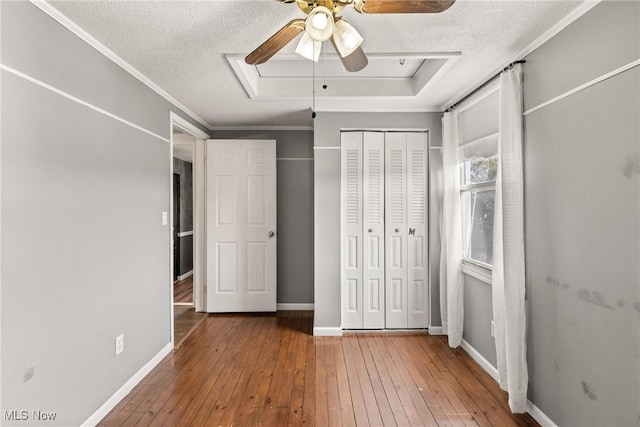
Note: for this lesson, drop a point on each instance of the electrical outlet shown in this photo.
(493, 328)
(119, 344)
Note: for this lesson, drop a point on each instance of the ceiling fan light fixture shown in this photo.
(346, 38)
(319, 24)
(309, 48)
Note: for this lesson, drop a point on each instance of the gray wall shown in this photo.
(582, 221)
(478, 313)
(84, 254)
(185, 170)
(327, 129)
(582, 210)
(295, 209)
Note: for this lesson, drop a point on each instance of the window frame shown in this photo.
(477, 269)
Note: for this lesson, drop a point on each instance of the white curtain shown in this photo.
(451, 280)
(508, 246)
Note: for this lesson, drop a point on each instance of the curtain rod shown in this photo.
(464, 98)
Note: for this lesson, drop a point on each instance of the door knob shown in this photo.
(397, 230)
(271, 234)
(371, 230)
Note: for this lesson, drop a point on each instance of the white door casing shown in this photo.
(241, 226)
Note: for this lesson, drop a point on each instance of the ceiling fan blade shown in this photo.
(402, 6)
(354, 62)
(276, 42)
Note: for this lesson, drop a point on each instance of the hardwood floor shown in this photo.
(185, 321)
(183, 290)
(268, 370)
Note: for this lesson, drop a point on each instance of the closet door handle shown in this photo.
(397, 230)
(371, 230)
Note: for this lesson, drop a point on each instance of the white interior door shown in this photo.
(396, 229)
(373, 233)
(241, 225)
(351, 213)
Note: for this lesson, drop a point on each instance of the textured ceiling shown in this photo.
(181, 47)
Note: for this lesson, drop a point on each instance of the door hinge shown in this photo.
(206, 160)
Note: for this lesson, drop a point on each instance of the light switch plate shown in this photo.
(119, 344)
(165, 218)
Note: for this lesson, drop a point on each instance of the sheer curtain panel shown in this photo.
(451, 280)
(508, 246)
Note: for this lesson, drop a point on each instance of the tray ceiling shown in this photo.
(194, 50)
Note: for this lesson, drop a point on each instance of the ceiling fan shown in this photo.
(323, 22)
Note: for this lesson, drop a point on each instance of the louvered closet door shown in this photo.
(396, 230)
(373, 236)
(384, 230)
(417, 196)
(352, 227)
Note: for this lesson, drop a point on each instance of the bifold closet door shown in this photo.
(417, 235)
(406, 208)
(351, 219)
(384, 230)
(363, 255)
(396, 229)
(373, 236)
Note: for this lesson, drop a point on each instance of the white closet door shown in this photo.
(241, 221)
(373, 235)
(418, 270)
(352, 224)
(396, 229)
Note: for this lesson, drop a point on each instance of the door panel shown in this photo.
(256, 267)
(417, 272)
(351, 219)
(227, 266)
(240, 217)
(373, 229)
(396, 229)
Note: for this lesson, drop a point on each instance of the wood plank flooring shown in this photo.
(268, 370)
(185, 321)
(183, 290)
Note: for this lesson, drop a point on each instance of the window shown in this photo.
(478, 187)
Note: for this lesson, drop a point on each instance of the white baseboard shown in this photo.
(122, 392)
(532, 409)
(295, 306)
(327, 332)
(539, 416)
(435, 330)
(185, 275)
(484, 363)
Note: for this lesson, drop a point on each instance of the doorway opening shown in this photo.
(187, 203)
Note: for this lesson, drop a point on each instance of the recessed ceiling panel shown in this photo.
(386, 76)
(330, 66)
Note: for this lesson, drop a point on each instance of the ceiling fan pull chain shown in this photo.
(313, 85)
(324, 66)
